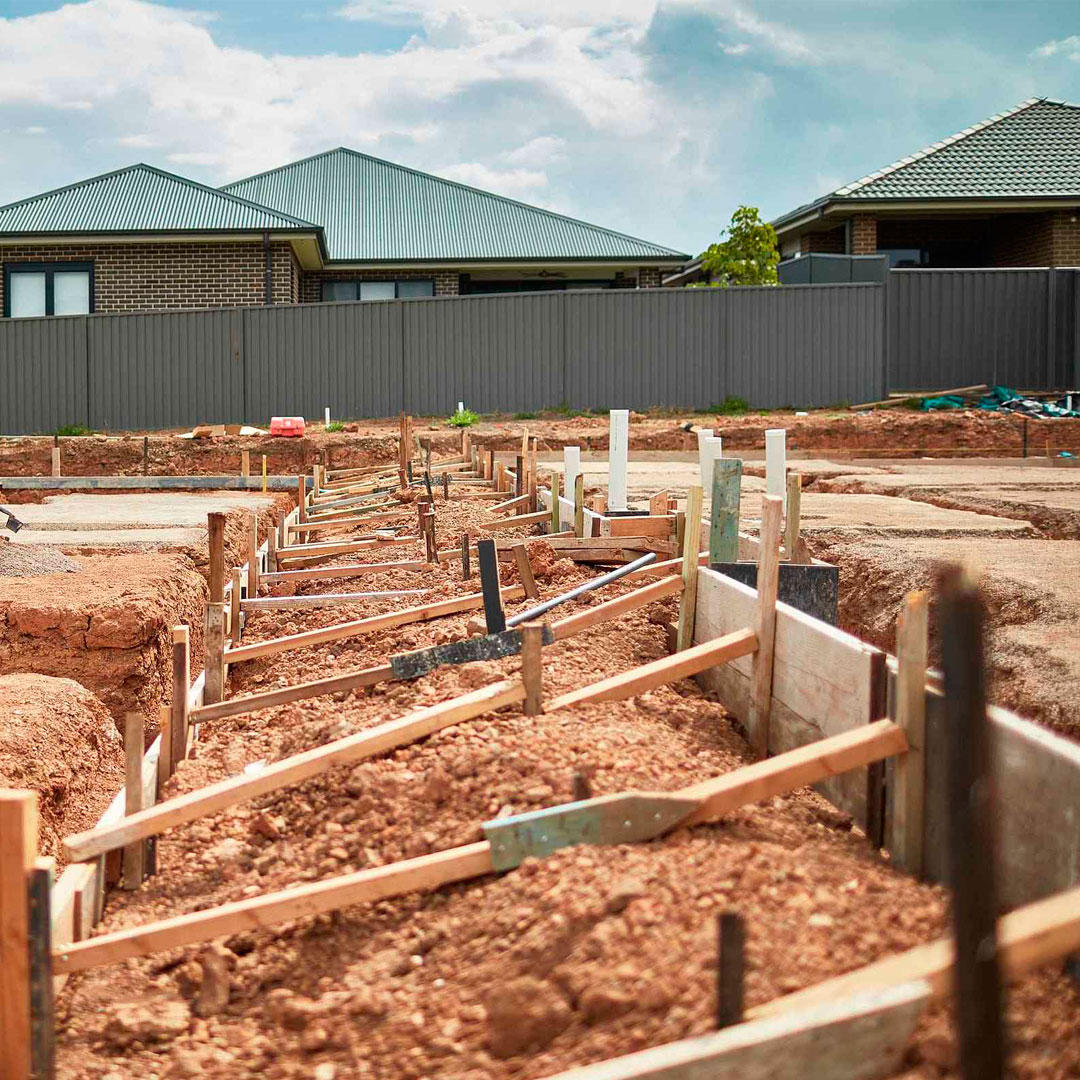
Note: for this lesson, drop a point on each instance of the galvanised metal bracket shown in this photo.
(609, 819)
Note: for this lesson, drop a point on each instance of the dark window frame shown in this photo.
(396, 282)
(49, 269)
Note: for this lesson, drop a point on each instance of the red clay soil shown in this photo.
(587, 954)
(108, 626)
(894, 432)
(59, 740)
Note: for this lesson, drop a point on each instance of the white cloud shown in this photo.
(1069, 46)
(740, 48)
(539, 151)
(514, 183)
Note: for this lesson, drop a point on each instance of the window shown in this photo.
(376, 290)
(35, 289)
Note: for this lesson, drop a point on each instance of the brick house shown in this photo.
(337, 226)
(1005, 192)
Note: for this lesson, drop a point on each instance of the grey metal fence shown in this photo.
(800, 345)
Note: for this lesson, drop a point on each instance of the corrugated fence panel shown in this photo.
(962, 327)
(42, 374)
(495, 353)
(302, 359)
(166, 369)
(640, 349)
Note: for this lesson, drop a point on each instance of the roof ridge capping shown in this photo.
(855, 185)
(660, 249)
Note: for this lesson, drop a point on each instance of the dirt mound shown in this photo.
(108, 626)
(59, 740)
(18, 561)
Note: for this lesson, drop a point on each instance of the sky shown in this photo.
(653, 117)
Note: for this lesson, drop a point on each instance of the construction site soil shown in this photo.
(587, 954)
(896, 432)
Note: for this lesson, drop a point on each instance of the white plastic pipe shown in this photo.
(571, 469)
(776, 463)
(618, 447)
(702, 435)
(327, 419)
(711, 452)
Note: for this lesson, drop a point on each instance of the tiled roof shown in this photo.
(376, 211)
(1030, 151)
(141, 198)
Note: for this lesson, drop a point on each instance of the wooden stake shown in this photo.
(271, 551)
(181, 683)
(730, 938)
(39, 929)
(56, 458)
(245, 463)
(253, 558)
(134, 854)
(556, 508)
(215, 653)
(519, 476)
(971, 831)
(910, 772)
(524, 569)
(688, 601)
(658, 503)
(767, 580)
(164, 761)
(234, 606)
(724, 525)
(18, 849)
(264, 474)
(579, 505)
(466, 570)
(215, 525)
(446, 485)
(794, 513)
(489, 582)
(532, 667)
(146, 455)
(301, 500)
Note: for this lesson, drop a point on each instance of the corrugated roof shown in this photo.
(140, 198)
(1030, 151)
(376, 211)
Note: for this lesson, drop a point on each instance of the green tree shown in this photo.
(746, 253)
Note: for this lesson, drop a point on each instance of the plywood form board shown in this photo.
(1038, 803)
(824, 681)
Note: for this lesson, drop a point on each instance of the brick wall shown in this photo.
(648, 277)
(447, 282)
(1067, 238)
(864, 239)
(832, 242)
(171, 277)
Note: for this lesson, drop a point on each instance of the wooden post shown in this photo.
(533, 504)
(519, 476)
(39, 931)
(134, 854)
(253, 559)
(579, 505)
(794, 512)
(724, 525)
(489, 472)
(215, 653)
(658, 503)
(18, 849)
(215, 524)
(264, 474)
(524, 569)
(910, 768)
(429, 536)
(146, 455)
(767, 580)
(691, 550)
(181, 683)
(446, 485)
(489, 583)
(531, 667)
(271, 551)
(164, 761)
(56, 456)
(555, 507)
(680, 531)
(466, 571)
(234, 605)
(729, 969)
(972, 850)
(301, 499)
(245, 463)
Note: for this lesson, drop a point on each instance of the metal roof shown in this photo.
(1030, 151)
(141, 199)
(376, 211)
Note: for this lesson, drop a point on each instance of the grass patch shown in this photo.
(74, 429)
(463, 418)
(526, 416)
(730, 406)
(335, 425)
